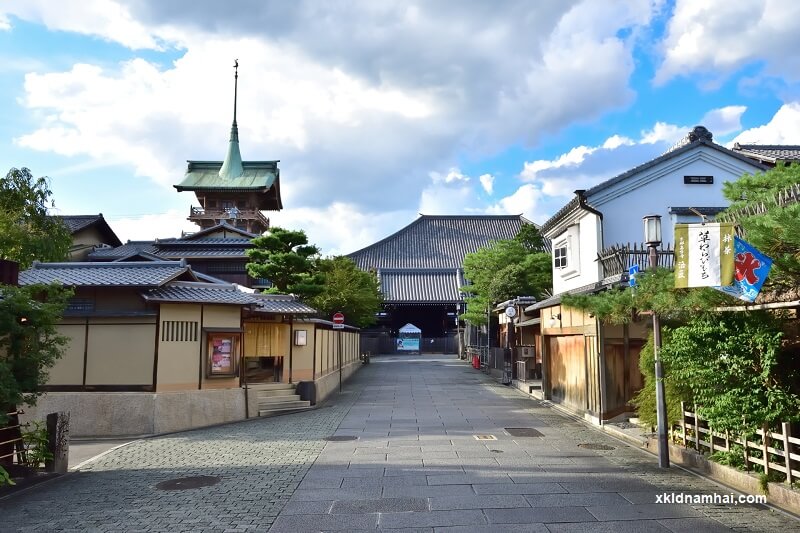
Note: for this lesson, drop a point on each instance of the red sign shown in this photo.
(338, 318)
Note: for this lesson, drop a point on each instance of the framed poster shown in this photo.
(223, 352)
(300, 337)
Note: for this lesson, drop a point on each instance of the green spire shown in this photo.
(232, 166)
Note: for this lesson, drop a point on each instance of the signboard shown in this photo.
(632, 271)
(338, 321)
(751, 269)
(704, 255)
(408, 344)
(511, 312)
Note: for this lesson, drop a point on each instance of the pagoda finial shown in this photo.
(232, 166)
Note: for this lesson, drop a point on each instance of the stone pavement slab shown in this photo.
(416, 466)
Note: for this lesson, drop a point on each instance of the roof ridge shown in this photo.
(108, 264)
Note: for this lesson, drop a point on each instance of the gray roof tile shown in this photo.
(771, 153)
(127, 249)
(421, 285)
(282, 303)
(437, 241)
(132, 274)
(193, 292)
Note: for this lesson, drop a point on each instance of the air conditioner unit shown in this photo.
(527, 351)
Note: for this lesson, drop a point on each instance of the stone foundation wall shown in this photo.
(128, 414)
(329, 384)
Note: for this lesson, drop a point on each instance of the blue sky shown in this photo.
(379, 111)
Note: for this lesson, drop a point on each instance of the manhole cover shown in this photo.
(485, 437)
(340, 438)
(595, 446)
(523, 432)
(186, 483)
(496, 451)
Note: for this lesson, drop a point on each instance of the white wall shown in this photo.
(661, 187)
(587, 229)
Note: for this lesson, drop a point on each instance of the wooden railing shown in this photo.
(12, 448)
(224, 214)
(618, 258)
(772, 450)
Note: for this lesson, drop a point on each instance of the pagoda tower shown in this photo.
(233, 191)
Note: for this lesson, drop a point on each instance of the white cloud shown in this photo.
(453, 175)
(148, 227)
(106, 19)
(487, 182)
(714, 38)
(358, 100)
(5, 24)
(526, 200)
(342, 228)
(724, 120)
(663, 132)
(783, 128)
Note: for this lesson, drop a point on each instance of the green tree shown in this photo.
(286, 259)
(348, 289)
(27, 233)
(504, 270)
(29, 341)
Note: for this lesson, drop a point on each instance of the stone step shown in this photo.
(264, 400)
(284, 406)
(271, 386)
(273, 392)
(267, 412)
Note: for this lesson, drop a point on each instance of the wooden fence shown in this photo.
(12, 448)
(773, 450)
(618, 258)
(790, 195)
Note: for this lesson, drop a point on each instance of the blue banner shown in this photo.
(408, 344)
(751, 270)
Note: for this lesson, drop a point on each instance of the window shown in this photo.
(560, 256)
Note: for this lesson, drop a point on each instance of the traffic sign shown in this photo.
(632, 271)
(338, 321)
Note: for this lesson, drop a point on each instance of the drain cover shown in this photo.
(496, 451)
(186, 483)
(596, 446)
(485, 437)
(340, 438)
(523, 432)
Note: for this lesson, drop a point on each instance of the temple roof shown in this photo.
(421, 285)
(133, 274)
(438, 242)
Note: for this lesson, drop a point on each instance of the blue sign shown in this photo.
(751, 270)
(408, 344)
(632, 271)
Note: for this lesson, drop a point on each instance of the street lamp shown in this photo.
(652, 237)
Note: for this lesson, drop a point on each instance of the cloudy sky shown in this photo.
(380, 110)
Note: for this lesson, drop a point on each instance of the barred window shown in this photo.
(179, 331)
(560, 257)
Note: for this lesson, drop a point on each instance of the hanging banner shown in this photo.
(703, 255)
(752, 268)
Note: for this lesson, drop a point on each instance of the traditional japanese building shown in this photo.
(420, 270)
(233, 191)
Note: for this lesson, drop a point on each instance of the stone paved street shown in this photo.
(415, 466)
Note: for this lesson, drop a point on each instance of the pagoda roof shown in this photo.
(204, 176)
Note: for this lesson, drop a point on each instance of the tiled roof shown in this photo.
(126, 250)
(204, 175)
(421, 285)
(202, 251)
(203, 241)
(437, 241)
(282, 303)
(771, 153)
(222, 226)
(193, 292)
(132, 274)
(76, 223)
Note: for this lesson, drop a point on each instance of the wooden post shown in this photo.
(727, 441)
(696, 430)
(746, 453)
(711, 439)
(787, 452)
(683, 423)
(764, 446)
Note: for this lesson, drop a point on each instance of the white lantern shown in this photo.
(652, 230)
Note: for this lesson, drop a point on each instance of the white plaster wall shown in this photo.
(658, 189)
(589, 236)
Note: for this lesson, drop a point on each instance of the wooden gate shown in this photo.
(566, 367)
